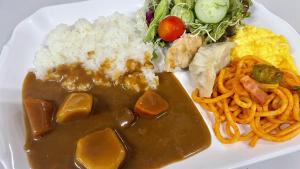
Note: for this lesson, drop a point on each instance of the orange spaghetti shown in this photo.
(277, 119)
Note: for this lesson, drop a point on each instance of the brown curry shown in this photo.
(150, 142)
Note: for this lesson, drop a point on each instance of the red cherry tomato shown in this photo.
(171, 28)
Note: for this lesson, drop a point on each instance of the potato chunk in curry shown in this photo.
(75, 106)
(39, 113)
(100, 150)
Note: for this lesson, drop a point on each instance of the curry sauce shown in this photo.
(150, 142)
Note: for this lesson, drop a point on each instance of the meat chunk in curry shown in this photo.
(125, 117)
(39, 113)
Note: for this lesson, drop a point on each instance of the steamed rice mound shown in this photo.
(113, 39)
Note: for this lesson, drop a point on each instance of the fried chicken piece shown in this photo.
(182, 51)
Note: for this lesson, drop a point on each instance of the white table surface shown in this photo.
(13, 11)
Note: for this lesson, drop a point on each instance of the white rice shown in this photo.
(116, 38)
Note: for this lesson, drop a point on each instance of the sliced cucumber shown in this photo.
(211, 11)
(183, 13)
(188, 3)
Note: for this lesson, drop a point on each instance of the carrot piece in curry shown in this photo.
(151, 103)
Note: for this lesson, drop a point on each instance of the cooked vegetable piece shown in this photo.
(252, 87)
(39, 113)
(125, 117)
(183, 13)
(161, 11)
(266, 74)
(296, 88)
(187, 3)
(75, 106)
(100, 150)
(151, 103)
(171, 28)
(211, 11)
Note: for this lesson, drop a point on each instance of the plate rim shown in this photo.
(7, 46)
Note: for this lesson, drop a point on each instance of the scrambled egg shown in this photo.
(264, 44)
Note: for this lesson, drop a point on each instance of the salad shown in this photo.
(212, 20)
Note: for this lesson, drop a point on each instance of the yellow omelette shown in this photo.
(264, 44)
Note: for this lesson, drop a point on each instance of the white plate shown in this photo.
(17, 57)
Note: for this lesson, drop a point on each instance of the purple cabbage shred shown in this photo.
(149, 16)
